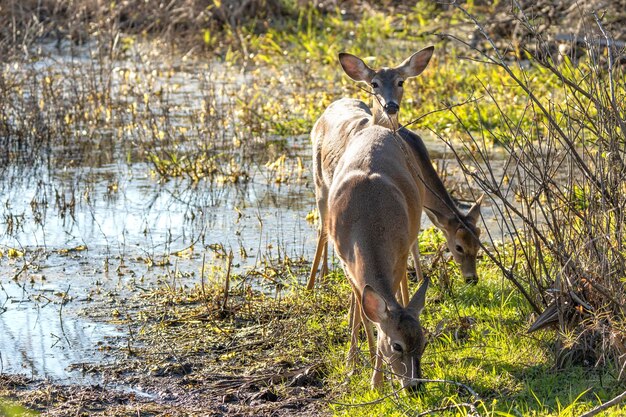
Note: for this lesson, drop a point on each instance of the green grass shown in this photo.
(298, 63)
(478, 338)
(11, 409)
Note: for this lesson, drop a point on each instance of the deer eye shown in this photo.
(374, 84)
(400, 83)
(459, 248)
(396, 347)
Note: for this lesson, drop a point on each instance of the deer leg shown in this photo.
(415, 253)
(319, 251)
(404, 291)
(355, 324)
(369, 332)
(375, 353)
(322, 247)
(377, 375)
(325, 264)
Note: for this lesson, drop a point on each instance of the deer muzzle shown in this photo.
(391, 108)
(414, 388)
(409, 382)
(468, 269)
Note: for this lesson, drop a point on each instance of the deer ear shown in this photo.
(418, 301)
(374, 306)
(474, 212)
(355, 67)
(438, 219)
(416, 63)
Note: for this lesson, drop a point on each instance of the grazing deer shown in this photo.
(374, 212)
(340, 123)
(460, 230)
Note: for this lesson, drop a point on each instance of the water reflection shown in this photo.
(38, 340)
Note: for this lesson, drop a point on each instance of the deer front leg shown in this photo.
(377, 375)
(369, 332)
(355, 324)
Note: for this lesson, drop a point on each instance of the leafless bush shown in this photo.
(561, 198)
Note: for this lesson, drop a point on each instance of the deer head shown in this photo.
(386, 83)
(461, 235)
(401, 339)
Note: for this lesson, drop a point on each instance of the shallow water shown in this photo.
(39, 340)
(143, 220)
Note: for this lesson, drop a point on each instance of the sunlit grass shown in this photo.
(478, 338)
(11, 409)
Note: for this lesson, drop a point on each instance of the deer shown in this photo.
(375, 204)
(340, 123)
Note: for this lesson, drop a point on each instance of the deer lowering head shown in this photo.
(386, 83)
(401, 340)
(461, 235)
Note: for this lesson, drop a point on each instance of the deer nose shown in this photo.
(391, 108)
(415, 388)
(471, 279)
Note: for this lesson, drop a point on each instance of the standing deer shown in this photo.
(346, 117)
(374, 212)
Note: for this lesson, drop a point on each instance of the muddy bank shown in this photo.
(190, 351)
(179, 397)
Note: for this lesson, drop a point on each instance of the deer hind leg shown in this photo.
(325, 255)
(321, 250)
(403, 293)
(322, 247)
(415, 254)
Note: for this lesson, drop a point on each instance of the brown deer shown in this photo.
(374, 212)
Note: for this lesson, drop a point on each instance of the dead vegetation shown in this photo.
(567, 171)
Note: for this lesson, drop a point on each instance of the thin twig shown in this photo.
(447, 107)
(609, 48)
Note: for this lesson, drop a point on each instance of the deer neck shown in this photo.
(436, 197)
(370, 267)
(381, 118)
